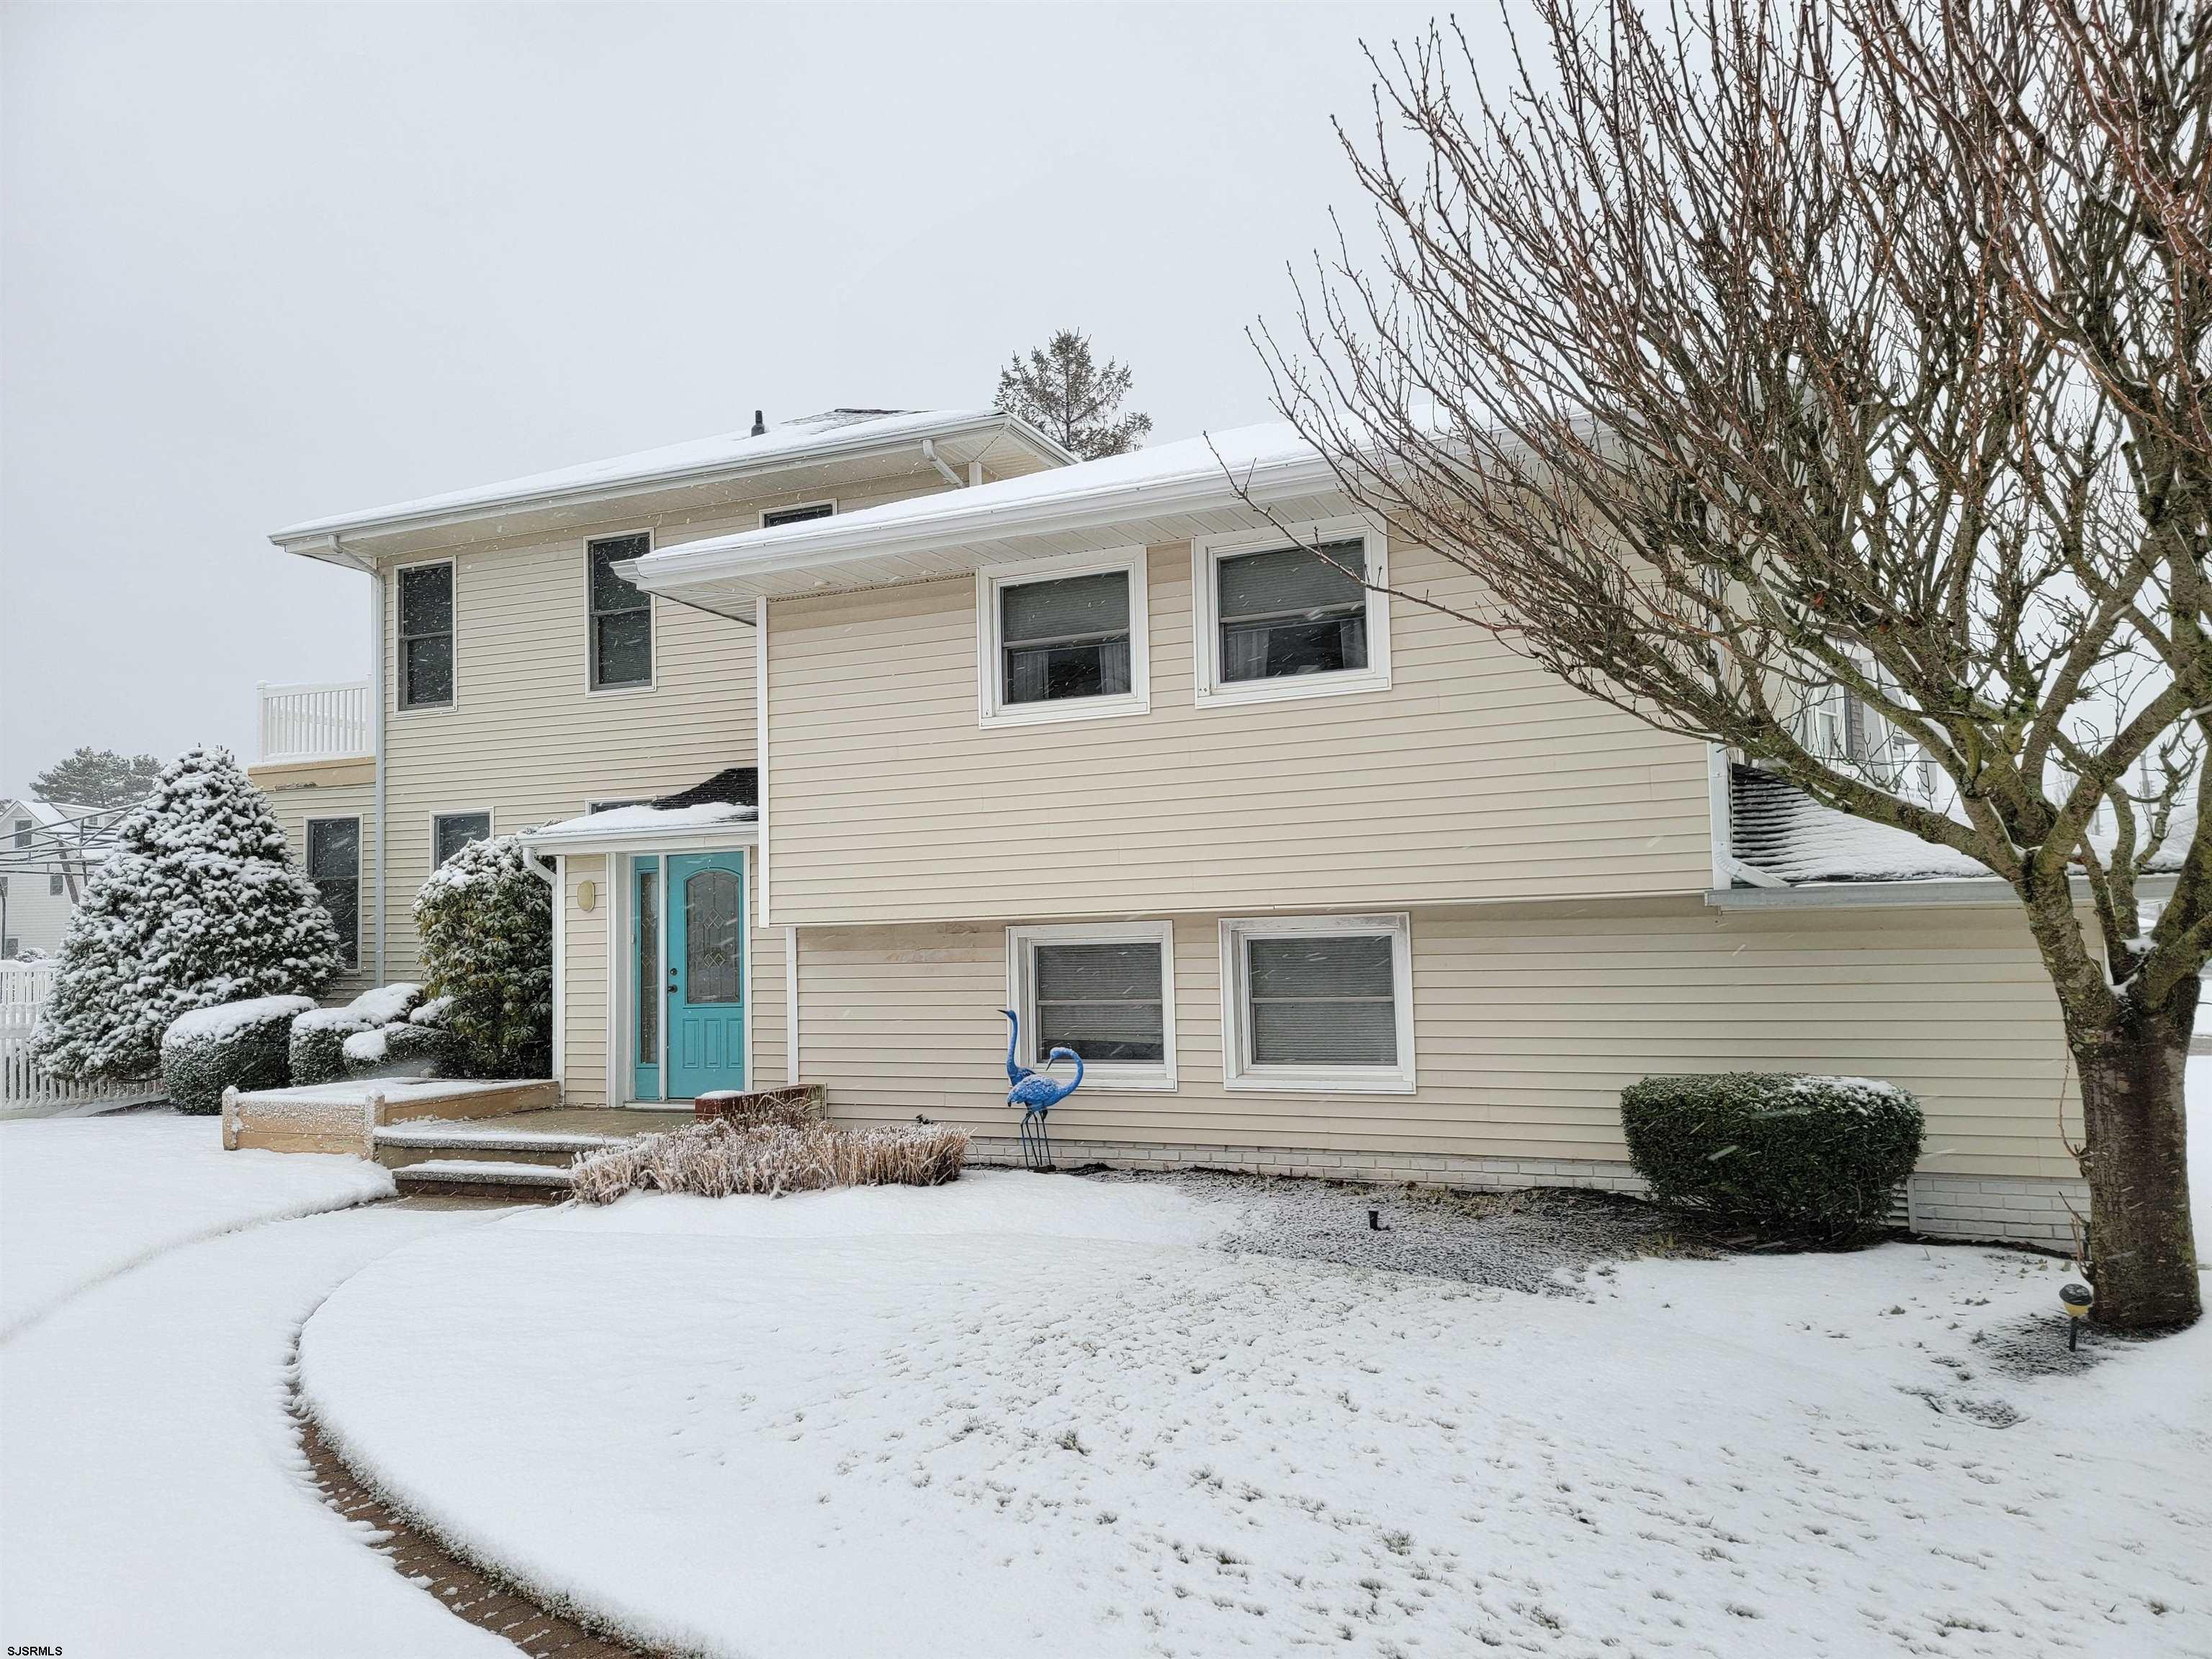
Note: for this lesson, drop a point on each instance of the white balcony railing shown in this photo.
(314, 722)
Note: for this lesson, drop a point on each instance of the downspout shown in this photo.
(929, 454)
(376, 738)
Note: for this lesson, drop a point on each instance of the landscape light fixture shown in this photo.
(2077, 1299)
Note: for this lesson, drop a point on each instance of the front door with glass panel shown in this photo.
(699, 975)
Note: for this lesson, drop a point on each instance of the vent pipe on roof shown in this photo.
(760, 426)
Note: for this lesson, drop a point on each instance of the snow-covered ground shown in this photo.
(84, 1198)
(1040, 1415)
(153, 1495)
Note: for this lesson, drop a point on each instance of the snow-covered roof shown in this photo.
(809, 439)
(1778, 830)
(951, 532)
(726, 802)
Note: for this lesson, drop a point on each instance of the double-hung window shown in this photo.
(1318, 1002)
(452, 832)
(1105, 990)
(334, 866)
(621, 616)
(425, 636)
(1292, 613)
(1063, 638)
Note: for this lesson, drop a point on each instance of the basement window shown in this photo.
(1104, 989)
(1318, 1003)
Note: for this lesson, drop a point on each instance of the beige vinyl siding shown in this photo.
(1475, 775)
(524, 740)
(583, 967)
(294, 807)
(766, 1003)
(1528, 1022)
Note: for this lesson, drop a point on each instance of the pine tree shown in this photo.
(486, 922)
(199, 905)
(1062, 392)
(97, 777)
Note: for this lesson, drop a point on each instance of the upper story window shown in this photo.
(622, 617)
(1063, 638)
(425, 636)
(1290, 614)
(452, 832)
(23, 828)
(334, 866)
(776, 515)
(1104, 989)
(1319, 1002)
(55, 884)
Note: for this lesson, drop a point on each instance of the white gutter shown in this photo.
(1948, 893)
(299, 537)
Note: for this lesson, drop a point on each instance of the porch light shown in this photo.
(2077, 1300)
(587, 897)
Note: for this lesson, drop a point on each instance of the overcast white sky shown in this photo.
(262, 263)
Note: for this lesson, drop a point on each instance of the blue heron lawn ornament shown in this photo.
(1036, 1093)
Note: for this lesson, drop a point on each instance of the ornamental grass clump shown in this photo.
(716, 1159)
(1821, 1155)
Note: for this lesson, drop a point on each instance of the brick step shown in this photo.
(516, 1182)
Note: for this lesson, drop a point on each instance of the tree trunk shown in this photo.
(2142, 1262)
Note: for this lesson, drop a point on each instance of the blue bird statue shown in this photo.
(1036, 1093)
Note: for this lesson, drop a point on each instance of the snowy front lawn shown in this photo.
(83, 1198)
(1043, 1415)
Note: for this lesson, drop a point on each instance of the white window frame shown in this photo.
(1237, 1069)
(400, 706)
(1021, 984)
(768, 512)
(651, 679)
(1207, 552)
(989, 666)
(491, 825)
(360, 863)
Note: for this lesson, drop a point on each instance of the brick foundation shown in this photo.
(2016, 1210)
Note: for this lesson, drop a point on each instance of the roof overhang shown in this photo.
(1964, 893)
(355, 540)
(574, 836)
(964, 531)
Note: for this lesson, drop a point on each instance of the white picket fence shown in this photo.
(24, 1088)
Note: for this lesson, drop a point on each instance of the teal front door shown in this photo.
(706, 910)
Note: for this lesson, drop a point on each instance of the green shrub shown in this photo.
(1823, 1154)
(318, 1035)
(486, 921)
(234, 1045)
(402, 1049)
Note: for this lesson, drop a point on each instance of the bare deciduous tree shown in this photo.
(1763, 349)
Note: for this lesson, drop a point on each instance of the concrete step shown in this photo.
(552, 1138)
(470, 1177)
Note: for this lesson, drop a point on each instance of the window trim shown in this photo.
(767, 513)
(399, 703)
(1135, 1076)
(1237, 1069)
(360, 860)
(989, 581)
(651, 680)
(1210, 690)
(594, 804)
(491, 826)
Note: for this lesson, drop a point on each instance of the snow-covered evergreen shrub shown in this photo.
(200, 905)
(717, 1158)
(233, 1045)
(318, 1035)
(486, 922)
(402, 1049)
(1823, 1154)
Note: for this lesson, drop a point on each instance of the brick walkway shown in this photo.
(470, 1594)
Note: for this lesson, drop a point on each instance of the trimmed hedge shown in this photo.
(318, 1035)
(1823, 1154)
(403, 1049)
(237, 1045)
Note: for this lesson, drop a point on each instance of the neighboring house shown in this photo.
(1317, 879)
(47, 852)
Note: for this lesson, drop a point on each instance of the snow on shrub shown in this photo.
(1819, 1153)
(234, 1045)
(318, 1035)
(486, 921)
(715, 1159)
(198, 906)
(402, 1049)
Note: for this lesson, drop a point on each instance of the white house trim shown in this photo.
(651, 680)
(1210, 690)
(401, 709)
(990, 582)
(1238, 1070)
(1021, 940)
